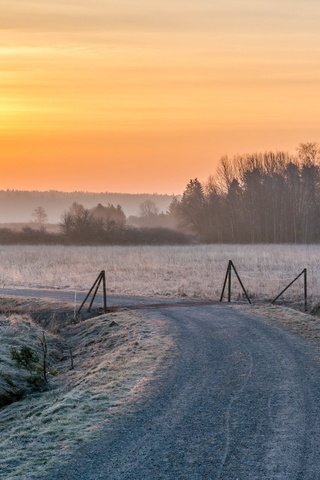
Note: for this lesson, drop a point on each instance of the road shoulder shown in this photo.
(300, 323)
(115, 356)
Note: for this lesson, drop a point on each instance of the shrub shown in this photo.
(25, 358)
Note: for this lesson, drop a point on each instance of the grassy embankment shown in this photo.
(114, 356)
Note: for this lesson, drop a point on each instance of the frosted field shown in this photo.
(192, 271)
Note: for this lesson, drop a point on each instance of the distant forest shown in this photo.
(260, 198)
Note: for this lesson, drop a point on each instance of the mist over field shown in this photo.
(18, 205)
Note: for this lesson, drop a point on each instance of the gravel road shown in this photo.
(239, 401)
(68, 296)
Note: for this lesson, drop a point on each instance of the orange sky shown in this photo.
(127, 95)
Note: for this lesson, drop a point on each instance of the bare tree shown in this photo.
(148, 208)
(40, 217)
(78, 223)
(308, 153)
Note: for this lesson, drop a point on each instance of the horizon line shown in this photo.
(88, 192)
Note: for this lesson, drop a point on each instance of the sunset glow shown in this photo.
(125, 95)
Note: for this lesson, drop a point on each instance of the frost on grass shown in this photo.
(303, 324)
(18, 331)
(192, 271)
(114, 358)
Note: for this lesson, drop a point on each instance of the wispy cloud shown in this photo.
(155, 16)
(79, 69)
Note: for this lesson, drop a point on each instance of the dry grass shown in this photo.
(308, 326)
(193, 271)
(15, 331)
(114, 356)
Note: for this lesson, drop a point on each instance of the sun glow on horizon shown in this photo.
(142, 96)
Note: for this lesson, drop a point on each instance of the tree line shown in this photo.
(271, 197)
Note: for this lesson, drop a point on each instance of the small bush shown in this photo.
(25, 358)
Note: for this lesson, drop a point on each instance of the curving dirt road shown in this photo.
(240, 401)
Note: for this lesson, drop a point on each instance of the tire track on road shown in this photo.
(228, 415)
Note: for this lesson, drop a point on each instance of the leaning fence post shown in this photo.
(226, 279)
(240, 281)
(101, 278)
(305, 288)
(95, 292)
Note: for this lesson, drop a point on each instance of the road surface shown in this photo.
(239, 401)
(69, 296)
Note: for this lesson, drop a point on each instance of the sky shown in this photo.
(141, 96)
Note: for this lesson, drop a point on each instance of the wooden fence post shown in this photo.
(228, 280)
(305, 288)
(101, 278)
